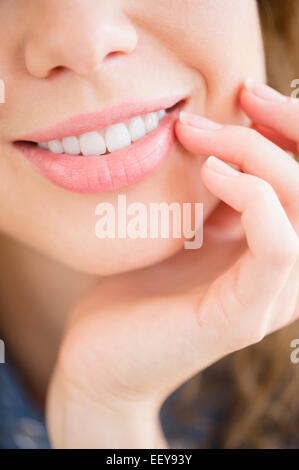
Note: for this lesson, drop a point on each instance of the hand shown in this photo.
(137, 336)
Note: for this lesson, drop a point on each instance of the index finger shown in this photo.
(244, 147)
(268, 108)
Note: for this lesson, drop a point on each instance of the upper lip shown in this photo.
(96, 120)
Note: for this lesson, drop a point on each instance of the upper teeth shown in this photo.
(110, 139)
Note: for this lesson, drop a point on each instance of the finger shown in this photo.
(267, 226)
(245, 148)
(285, 144)
(224, 221)
(266, 107)
(244, 294)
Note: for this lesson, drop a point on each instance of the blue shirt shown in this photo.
(22, 425)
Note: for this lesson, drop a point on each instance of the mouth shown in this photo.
(106, 151)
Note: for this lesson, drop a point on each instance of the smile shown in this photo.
(104, 151)
(111, 139)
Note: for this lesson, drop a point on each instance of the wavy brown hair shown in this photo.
(260, 384)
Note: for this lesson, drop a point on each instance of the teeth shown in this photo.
(151, 121)
(71, 145)
(115, 137)
(161, 114)
(92, 143)
(136, 128)
(43, 145)
(55, 146)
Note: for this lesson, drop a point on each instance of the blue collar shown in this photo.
(21, 425)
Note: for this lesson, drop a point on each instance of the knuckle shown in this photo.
(263, 189)
(291, 251)
(252, 327)
(285, 255)
(254, 332)
(239, 319)
(248, 333)
(257, 335)
(253, 138)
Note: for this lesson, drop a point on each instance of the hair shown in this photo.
(260, 383)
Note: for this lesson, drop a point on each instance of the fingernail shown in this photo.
(264, 91)
(200, 122)
(217, 165)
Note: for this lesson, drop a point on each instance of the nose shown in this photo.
(75, 35)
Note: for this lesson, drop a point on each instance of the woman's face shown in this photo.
(65, 63)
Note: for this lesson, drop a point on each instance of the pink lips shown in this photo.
(109, 172)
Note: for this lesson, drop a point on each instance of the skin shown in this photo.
(240, 286)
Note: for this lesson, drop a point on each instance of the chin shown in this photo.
(114, 257)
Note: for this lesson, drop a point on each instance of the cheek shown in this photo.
(219, 41)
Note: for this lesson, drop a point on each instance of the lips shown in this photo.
(110, 171)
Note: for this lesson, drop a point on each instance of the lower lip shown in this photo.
(109, 172)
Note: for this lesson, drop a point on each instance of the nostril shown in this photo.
(114, 55)
(56, 71)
